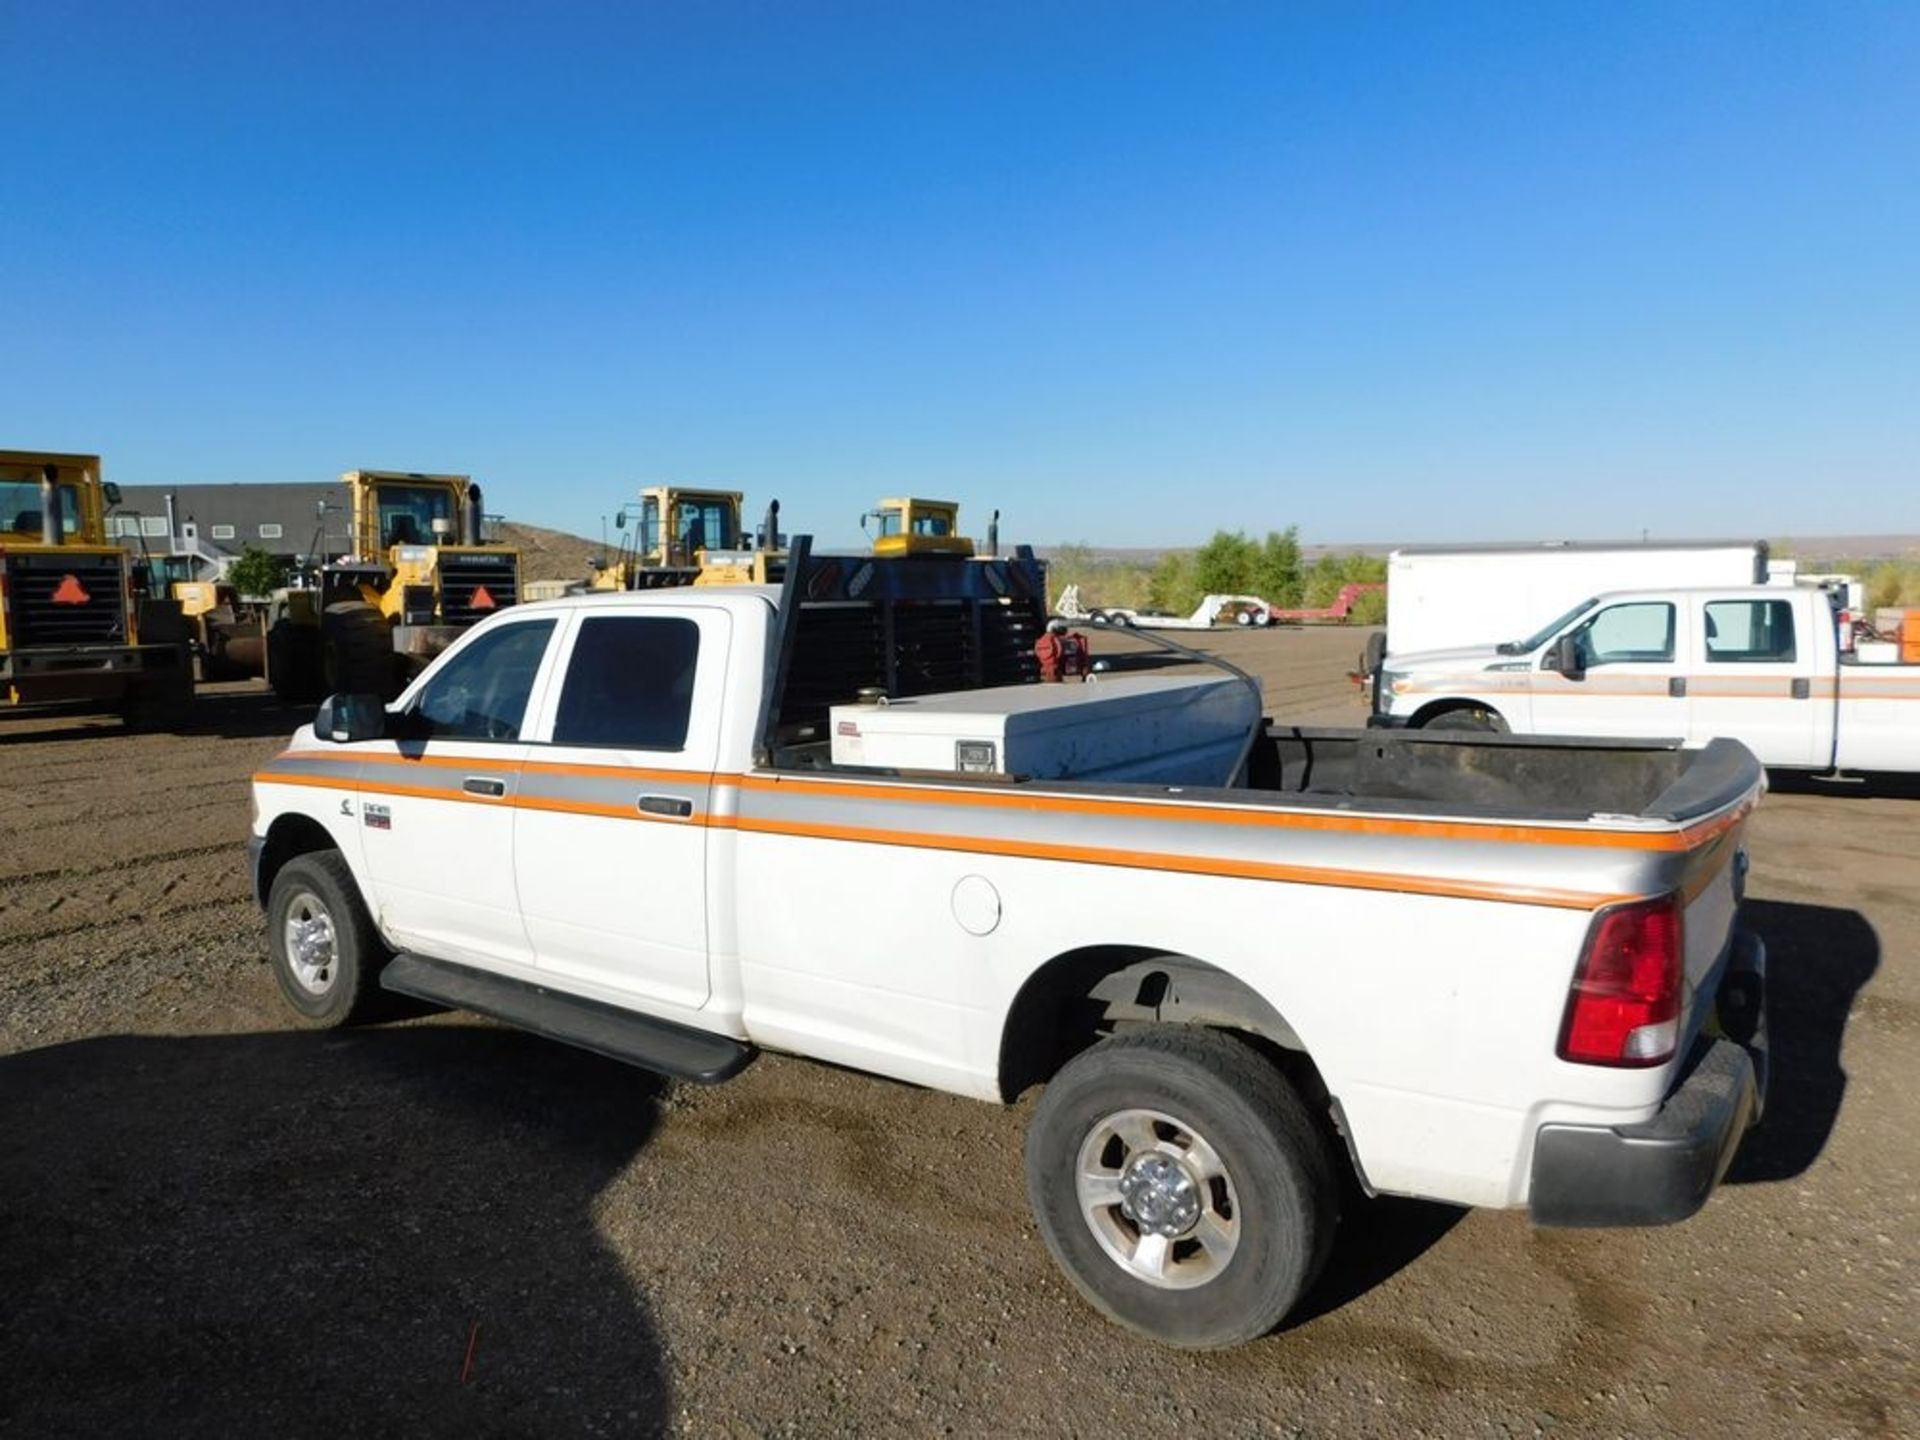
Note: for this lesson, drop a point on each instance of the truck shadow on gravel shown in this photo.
(1377, 1239)
(296, 1234)
(1818, 959)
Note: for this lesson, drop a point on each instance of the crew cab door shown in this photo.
(436, 807)
(1633, 678)
(1758, 678)
(610, 852)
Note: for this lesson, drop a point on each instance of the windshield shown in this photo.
(1548, 631)
(20, 509)
(407, 513)
(706, 525)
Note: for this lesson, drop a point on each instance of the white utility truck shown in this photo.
(1759, 664)
(1443, 596)
(672, 826)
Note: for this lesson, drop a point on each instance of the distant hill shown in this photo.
(550, 554)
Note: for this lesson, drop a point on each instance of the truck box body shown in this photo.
(1172, 730)
(1442, 596)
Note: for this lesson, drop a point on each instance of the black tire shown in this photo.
(357, 651)
(161, 701)
(1473, 717)
(293, 662)
(1277, 1195)
(347, 990)
(1244, 617)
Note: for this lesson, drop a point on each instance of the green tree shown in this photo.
(1225, 564)
(1174, 586)
(1323, 581)
(257, 574)
(1276, 576)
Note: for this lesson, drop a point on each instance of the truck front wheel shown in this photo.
(324, 948)
(1180, 1183)
(1467, 717)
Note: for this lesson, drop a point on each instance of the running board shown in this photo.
(676, 1050)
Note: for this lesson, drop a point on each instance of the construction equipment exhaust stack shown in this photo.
(52, 523)
(475, 519)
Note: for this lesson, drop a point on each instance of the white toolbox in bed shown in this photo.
(1151, 729)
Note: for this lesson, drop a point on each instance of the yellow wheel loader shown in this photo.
(904, 525)
(72, 627)
(422, 570)
(691, 537)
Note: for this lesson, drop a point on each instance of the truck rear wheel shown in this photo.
(357, 651)
(323, 946)
(1180, 1183)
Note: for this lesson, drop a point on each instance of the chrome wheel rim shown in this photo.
(312, 947)
(1158, 1198)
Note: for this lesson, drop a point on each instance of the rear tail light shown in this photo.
(1624, 1008)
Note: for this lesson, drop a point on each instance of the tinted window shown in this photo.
(481, 694)
(1624, 633)
(1750, 631)
(629, 683)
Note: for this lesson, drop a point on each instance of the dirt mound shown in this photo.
(550, 554)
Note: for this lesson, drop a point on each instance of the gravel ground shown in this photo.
(210, 1223)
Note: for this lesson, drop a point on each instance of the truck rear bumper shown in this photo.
(1662, 1169)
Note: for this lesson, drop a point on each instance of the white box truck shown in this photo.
(1442, 597)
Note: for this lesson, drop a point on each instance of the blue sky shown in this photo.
(1129, 272)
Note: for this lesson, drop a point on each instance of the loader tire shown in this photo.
(293, 662)
(357, 651)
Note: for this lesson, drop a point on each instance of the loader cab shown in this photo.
(392, 509)
(674, 526)
(910, 526)
(51, 500)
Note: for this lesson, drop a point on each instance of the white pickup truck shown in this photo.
(1492, 971)
(1758, 664)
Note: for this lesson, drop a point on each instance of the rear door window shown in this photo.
(629, 683)
(482, 692)
(1750, 632)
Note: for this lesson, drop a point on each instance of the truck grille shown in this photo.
(64, 600)
(463, 576)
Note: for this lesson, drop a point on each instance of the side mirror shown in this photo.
(110, 491)
(344, 719)
(1565, 657)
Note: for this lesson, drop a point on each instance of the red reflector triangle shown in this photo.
(482, 600)
(71, 592)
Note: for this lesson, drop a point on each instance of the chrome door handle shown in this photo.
(484, 785)
(676, 806)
